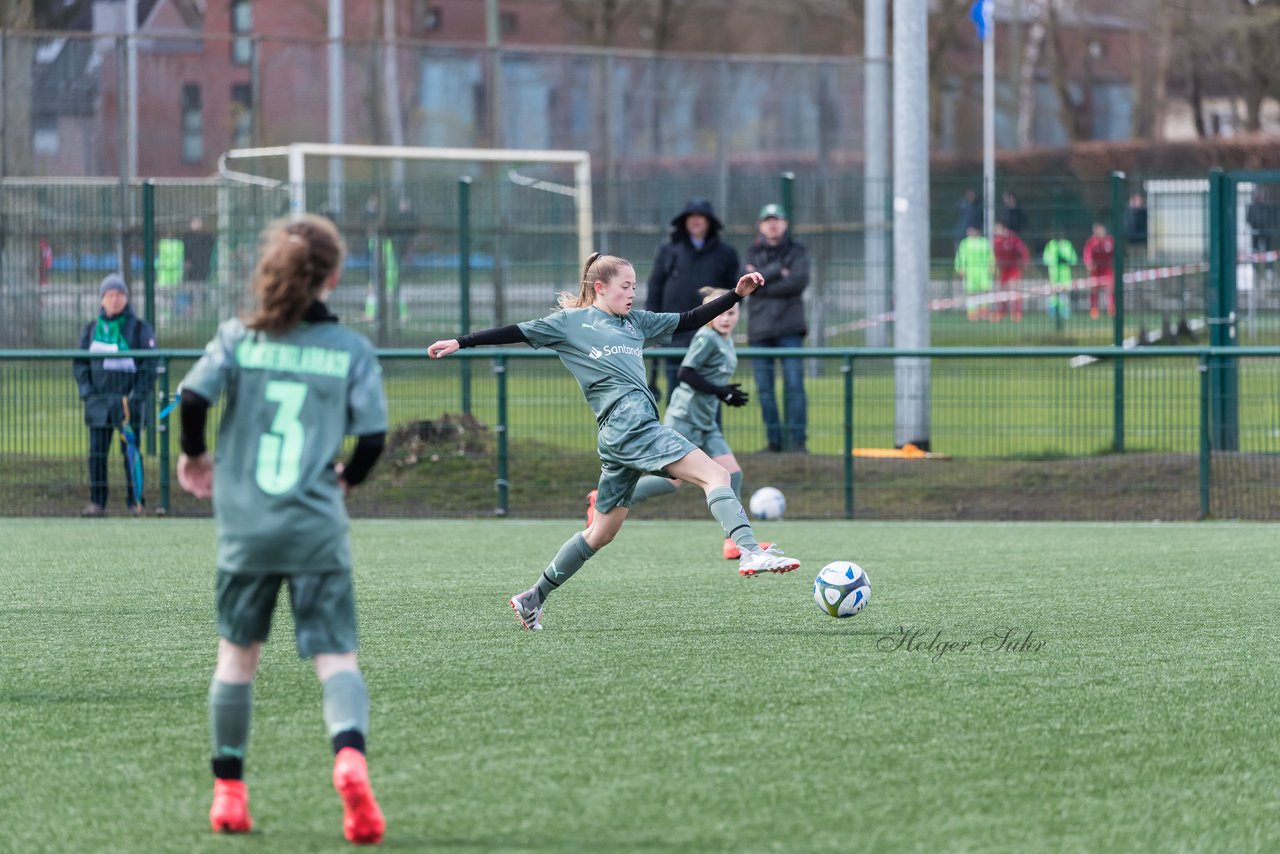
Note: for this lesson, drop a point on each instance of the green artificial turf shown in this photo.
(670, 705)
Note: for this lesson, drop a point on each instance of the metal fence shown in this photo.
(188, 248)
(1016, 433)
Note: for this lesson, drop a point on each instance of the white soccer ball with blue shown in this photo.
(842, 589)
(767, 503)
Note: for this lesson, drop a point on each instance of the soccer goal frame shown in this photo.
(296, 155)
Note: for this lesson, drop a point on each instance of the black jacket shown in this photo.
(681, 270)
(777, 309)
(101, 388)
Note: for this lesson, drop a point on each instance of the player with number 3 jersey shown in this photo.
(295, 383)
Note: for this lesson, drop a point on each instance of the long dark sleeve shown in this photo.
(366, 452)
(698, 382)
(707, 312)
(510, 334)
(195, 414)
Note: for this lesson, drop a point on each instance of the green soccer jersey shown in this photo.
(604, 352)
(712, 356)
(1059, 257)
(976, 263)
(290, 399)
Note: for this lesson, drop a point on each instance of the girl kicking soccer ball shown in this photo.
(601, 341)
(695, 406)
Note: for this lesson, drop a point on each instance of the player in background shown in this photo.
(975, 263)
(1012, 257)
(1059, 257)
(1099, 256)
(601, 340)
(693, 412)
(295, 384)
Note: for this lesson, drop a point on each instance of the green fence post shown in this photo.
(1118, 202)
(503, 484)
(464, 280)
(786, 195)
(1220, 309)
(847, 369)
(1206, 378)
(163, 372)
(148, 252)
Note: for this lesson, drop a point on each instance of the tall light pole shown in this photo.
(911, 396)
(337, 98)
(987, 31)
(875, 109)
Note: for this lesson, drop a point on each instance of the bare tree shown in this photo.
(1030, 62)
(1075, 96)
(947, 27)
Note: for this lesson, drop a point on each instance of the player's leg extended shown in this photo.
(702, 471)
(699, 469)
(346, 715)
(571, 557)
(230, 714)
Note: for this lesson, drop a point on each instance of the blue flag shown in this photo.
(980, 13)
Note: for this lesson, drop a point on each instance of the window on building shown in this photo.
(242, 30)
(192, 124)
(44, 135)
(508, 23)
(241, 115)
(432, 17)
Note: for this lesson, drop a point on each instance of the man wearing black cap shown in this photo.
(694, 258)
(107, 383)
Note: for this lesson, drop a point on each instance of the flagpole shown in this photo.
(989, 117)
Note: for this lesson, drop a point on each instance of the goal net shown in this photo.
(521, 219)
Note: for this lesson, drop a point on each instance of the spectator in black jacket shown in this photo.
(776, 318)
(1013, 217)
(694, 258)
(106, 383)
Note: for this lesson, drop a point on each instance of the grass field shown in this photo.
(670, 705)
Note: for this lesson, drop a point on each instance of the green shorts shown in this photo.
(711, 441)
(323, 605)
(631, 444)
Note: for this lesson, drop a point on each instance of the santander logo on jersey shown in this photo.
(598, 353)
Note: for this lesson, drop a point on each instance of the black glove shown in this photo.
(733, 395)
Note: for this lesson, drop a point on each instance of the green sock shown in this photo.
(346, 703)
(735, 483)
(729, 513)
(230, 713)
(572, 555)
(651, 486)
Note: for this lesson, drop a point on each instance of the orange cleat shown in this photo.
(230, 810)
(362, 821)
(591, 507)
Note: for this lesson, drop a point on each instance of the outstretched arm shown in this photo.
(510, 334)
(709, 311)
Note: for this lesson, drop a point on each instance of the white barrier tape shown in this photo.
(995, 297)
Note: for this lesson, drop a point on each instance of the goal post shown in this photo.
(296, 155)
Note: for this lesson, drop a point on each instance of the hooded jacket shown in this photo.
(777, 309)
(681, 269)
(103, 382)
